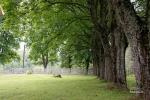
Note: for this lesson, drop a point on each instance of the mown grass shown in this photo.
(131, 81)
(46, 87)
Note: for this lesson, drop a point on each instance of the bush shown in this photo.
(28, 72)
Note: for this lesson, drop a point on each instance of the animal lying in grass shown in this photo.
(57, 76)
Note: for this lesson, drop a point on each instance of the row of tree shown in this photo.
(118, 23)
(79, 32)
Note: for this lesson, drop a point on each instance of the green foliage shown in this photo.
(8, 44)
(140, 7)
(51, 28)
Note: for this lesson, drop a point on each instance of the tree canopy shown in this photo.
(81, 33)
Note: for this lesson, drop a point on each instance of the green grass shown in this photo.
(46, 87)
(131, 81)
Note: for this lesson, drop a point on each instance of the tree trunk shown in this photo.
(98, 13)
(113, 55)
(45, 61)
(132, 26)
(147, 69)
(95, 52)
(121, 44)
(87, 68)
(102, 63)
(87, 64)
(98, 56)
(24, 52)
(69, 63)
(109, 66)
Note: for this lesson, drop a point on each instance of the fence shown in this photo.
(51, 70)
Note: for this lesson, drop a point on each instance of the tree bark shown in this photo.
(45, 61)
(121, 44)
(136, 33)
(95, 53)
(87, 64)
(147, 69)
(69, 63)
(118, 46)
(100, 25)
(87, 68)
(132, 26)
(102, 63)
(113, 54)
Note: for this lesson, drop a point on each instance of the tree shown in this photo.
(41, 52)
(107, 43)
(132, 23)
(8, 44)
(60, 28)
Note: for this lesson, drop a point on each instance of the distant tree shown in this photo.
(40, 51)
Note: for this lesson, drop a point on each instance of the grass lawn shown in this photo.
(46, 87)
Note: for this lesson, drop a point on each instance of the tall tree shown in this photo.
(8, 43)
(109, 37)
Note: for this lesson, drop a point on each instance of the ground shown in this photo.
(46, 87)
